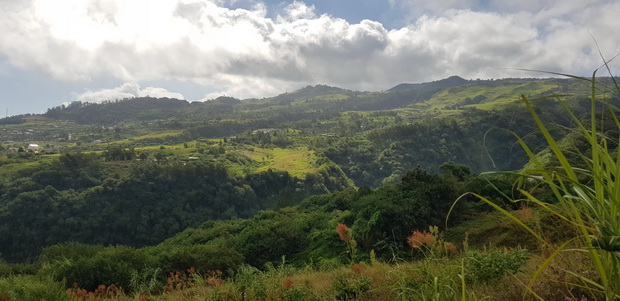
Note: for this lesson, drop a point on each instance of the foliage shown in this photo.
(360, 131)
(119, 153)
(350, 288)
(591, 205)
(68, 250)
(474, 138)
(493, 265)
(130, 173)
(12, 120)
(303, 234)
(271, 235)
(200, 257)
(31, 288)
(110, 265)
(385, 218)
(145, 281)
(79, 198)
(111, 112)
(585, 198)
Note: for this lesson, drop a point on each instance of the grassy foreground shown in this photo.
(488, 275)
(586, 194)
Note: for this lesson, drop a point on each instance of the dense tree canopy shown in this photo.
(79, 198)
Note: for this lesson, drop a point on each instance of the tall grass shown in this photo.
(588, 199)
(31, 288)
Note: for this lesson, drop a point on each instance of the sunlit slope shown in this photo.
(297, 162)
(487, 95)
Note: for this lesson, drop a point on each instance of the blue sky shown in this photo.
(55, 52)
(353, 11)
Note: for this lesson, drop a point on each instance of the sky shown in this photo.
(55, 52)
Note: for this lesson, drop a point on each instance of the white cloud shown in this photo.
(243, 53)
(126, 90)
(297, 10)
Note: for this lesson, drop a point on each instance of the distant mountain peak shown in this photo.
(451, 81)
(454, 78)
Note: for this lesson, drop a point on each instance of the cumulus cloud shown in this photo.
(297, 10)
(126, 90)
(244, 53)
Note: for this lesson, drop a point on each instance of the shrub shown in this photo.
(111, 265)
(326, 264)
(200, 257)
(68, 250)
(491, 266)
(296, 293)
(346, 288)
(5, 269)
(31, 288)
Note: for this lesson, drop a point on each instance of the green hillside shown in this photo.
(488, 96)
(316, 194)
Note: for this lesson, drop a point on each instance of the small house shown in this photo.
(34, 148)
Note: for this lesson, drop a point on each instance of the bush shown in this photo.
(297, 293)
(490, 266)
(68, 250)
(5, 269)
(201, 258)
(111, 265)
(31, 288)
(347, 288)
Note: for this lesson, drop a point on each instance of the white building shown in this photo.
(35, 148)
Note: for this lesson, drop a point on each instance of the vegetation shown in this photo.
(587, 199)
(79, 198)
(317, 194)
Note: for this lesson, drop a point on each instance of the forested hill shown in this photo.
(148, 108)
(158, 166)
(373, 136)
(446, 94)
(112, 112)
